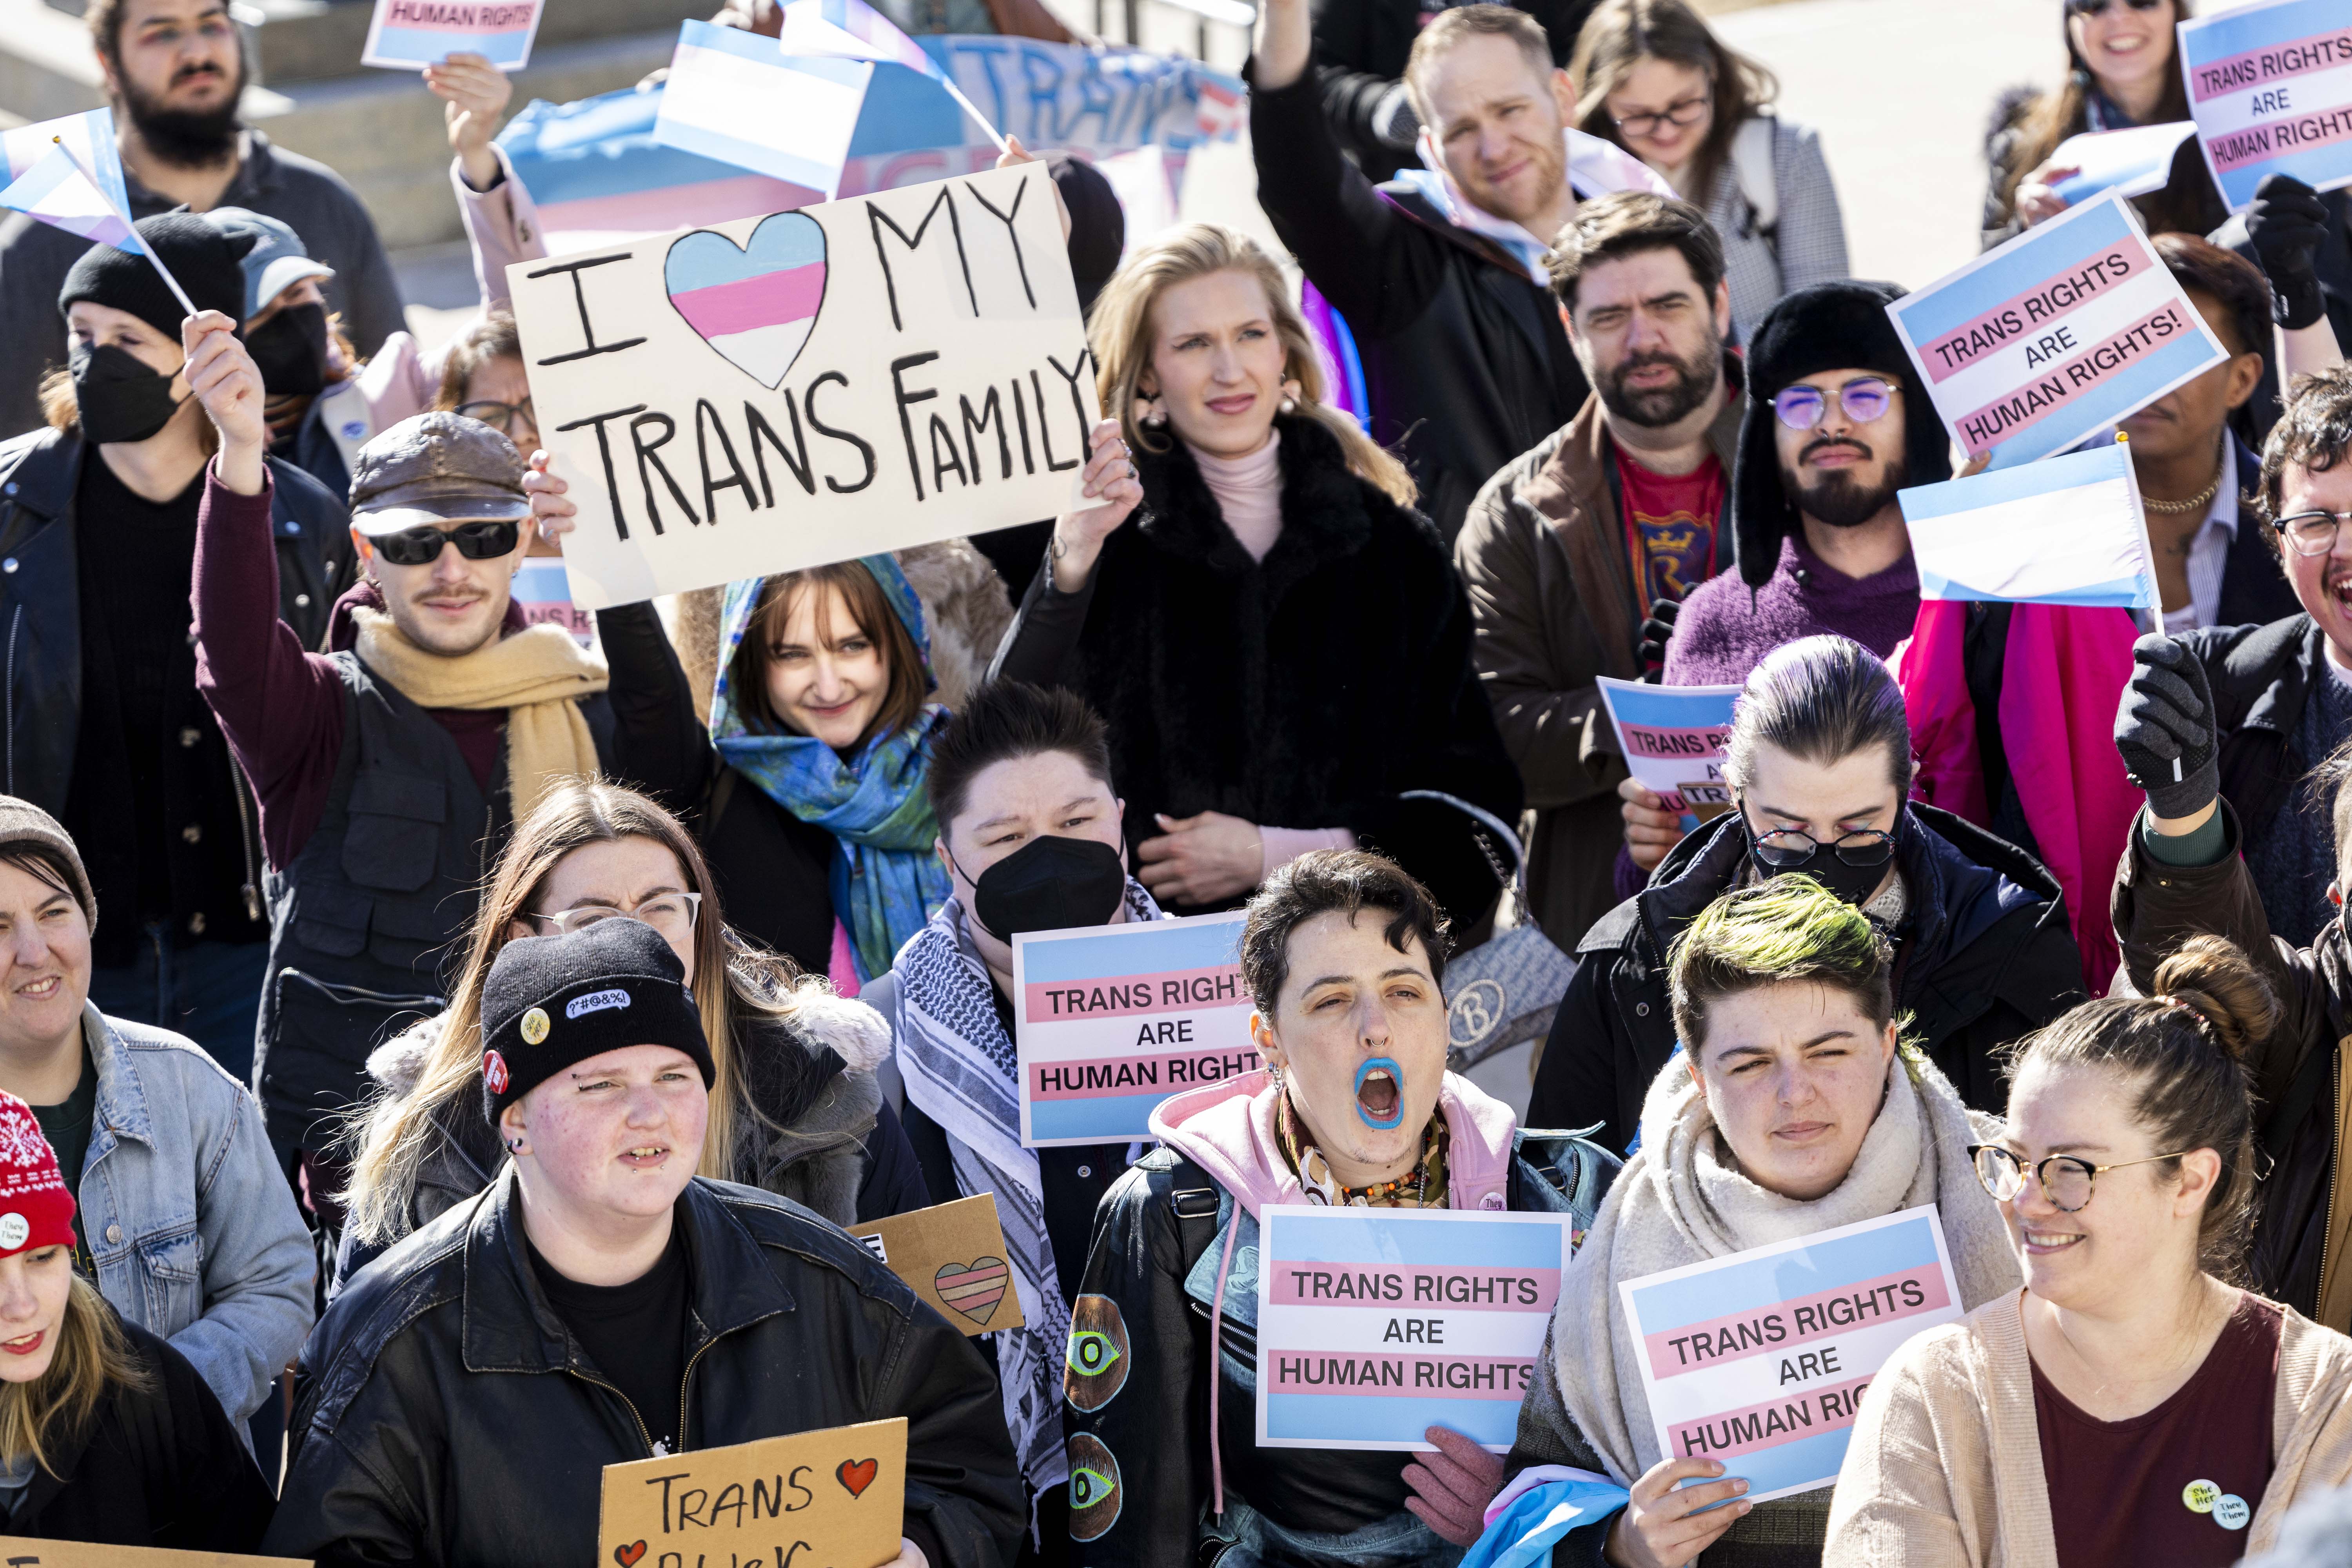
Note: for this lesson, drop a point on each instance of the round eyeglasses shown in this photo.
(672, 914)
(2066, 1181)
(1683, 111)
(2312, 533)
(1801, 407)
(1787, 848)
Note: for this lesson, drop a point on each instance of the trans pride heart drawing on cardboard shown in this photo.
(754, 303)
(973, 1288)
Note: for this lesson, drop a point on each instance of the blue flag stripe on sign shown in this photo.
(425, 43)
(1100, 1119)
(1784, 1276)
(1664, 708)
(1388, 1417)
(2229, 34)
(1352, 1241)
(2114, 399)
(2052, 252)
(1168, 949)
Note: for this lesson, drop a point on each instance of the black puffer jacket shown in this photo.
(445, 1416)
(1312, 688)
(1984, 954)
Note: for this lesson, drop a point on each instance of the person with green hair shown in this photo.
(1794, 1107)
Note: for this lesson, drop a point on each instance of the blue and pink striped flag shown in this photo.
(68, 172)
(731, 96)
(851, 29)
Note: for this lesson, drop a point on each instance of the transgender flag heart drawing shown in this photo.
(755, 303)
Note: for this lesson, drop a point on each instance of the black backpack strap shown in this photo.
(2310, 1079)
(1193, 1199)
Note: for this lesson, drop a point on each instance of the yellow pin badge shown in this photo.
(534, 1025)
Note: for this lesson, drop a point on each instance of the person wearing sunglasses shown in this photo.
(391, 768)
(1798, 1106)
(1819, 764)
(2133, 1403)
(2122, 71)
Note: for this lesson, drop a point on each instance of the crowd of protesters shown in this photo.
(325, 1150)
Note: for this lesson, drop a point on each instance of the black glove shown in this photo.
(2164, 728)
(1655, 632)
(2285, 224)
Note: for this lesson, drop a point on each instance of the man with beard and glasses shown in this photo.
(1572, 542)
(1837, 421)
(174, 71)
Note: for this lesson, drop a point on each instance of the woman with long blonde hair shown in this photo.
(106, 1433)
(794, 1106)
(1277, 641)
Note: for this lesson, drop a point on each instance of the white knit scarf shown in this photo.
(1682, 1199)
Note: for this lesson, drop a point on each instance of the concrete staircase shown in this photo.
(379, 128)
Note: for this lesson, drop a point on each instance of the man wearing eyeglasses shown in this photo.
(390, 768)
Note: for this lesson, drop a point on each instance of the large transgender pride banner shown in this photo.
(1673, 738)
(1374, 1325)
(1108, 1020)
(2068, 327)
(1759, 1359)
(405, 35)
(2270, 86)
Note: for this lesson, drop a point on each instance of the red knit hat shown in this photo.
(36, 1207)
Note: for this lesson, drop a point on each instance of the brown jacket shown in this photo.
(2300, 1230)
(1944, 1468)
(1552, 599)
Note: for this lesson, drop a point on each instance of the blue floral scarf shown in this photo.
(885, 878)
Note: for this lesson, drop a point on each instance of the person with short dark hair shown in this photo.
(600, 1303)
(1616, 517)
(174, 71)
(1820, 772)
(1345, 957)
(2132, 1403)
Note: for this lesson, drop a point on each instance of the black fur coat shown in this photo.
(1310, 689)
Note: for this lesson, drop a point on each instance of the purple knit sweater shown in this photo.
(1720, 636)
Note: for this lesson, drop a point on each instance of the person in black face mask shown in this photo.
(317, 411)
(107, 730)
(1029, 830)
(1820, 765)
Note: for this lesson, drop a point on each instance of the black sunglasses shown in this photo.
(421, 546)
(2098, 7)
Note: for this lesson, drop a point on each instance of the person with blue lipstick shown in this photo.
(1343, 952)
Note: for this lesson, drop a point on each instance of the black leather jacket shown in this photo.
(444, 1413)
(40, 601)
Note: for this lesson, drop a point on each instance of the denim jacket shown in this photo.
(189, 1219)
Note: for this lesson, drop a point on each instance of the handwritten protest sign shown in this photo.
(404, 35)
(2130, 162)
(2270, 86)
(1672, 740)
(1759, 1359)
(2069, 531)
(543, 594)
(952, 1255)
(834, 1498)
(2066, 328)
(1108, 1020)
(15, 1550)
(1374, 1325)
(811, 387)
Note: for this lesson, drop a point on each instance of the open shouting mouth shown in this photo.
(1379, 1092)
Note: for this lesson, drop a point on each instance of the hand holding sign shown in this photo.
(1110, 481)
(475, 94)
(1452, 1487)
(1667, 1524)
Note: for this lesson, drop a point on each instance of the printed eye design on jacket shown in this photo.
(1095, 1365)
(1094, 1488)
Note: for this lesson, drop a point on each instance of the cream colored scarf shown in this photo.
(1683, 1199)
(536, 675)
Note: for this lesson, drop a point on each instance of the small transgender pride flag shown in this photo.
(80, 205)
(732, 97)
(855, 30)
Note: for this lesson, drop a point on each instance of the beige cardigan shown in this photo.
(1944, 1467)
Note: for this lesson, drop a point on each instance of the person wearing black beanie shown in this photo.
(106, 730)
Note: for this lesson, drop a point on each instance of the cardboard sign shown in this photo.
(832, 1499)
(1672, 740)
(15, 1550)
(2270, 86)
(543, 594)
(407, 34)
(2129, 163)
(1108, 1020)
(2070, 531)
(952, 1255)
(809, 386)
(1759, 1359)
(2068, 327)
(1374, 1325)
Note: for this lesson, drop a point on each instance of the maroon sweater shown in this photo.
(282, 707)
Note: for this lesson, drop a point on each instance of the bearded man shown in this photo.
(174, 73)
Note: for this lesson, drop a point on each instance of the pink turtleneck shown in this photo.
(1248, 491)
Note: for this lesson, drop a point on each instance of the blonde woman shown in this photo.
(1277, 641)
(794, 1106)
(107, 1434)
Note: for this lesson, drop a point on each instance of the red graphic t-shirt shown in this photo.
(1670, 526)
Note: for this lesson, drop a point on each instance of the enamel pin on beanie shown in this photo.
(36, 1207)
(552, 1001)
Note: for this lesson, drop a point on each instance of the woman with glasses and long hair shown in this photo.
(1819, 764)
(794, 1105)
(1653, 78)
(2131, 1404)
(1797, 1106)
(2121, 71)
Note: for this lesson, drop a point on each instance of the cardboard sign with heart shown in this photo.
(836, 1496)
(953, 1255)
(77, 1554)
(756, 303)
